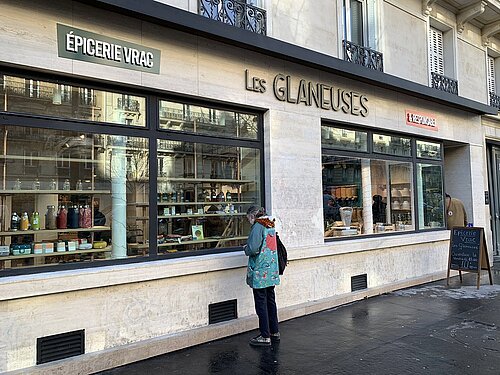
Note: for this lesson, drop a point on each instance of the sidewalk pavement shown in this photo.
(429, 329)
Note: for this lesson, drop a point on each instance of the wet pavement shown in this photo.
(429, 329)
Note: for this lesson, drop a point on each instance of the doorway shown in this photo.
(494, 192)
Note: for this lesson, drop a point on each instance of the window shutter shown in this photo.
(491, 75)
(436, 56)
(372, 24)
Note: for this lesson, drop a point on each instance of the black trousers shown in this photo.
(265, 307)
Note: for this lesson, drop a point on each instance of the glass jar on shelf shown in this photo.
(66, 185)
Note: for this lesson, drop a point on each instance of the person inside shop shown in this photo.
(263, 274)
(455, 213)
(378, 209)
(331, 208)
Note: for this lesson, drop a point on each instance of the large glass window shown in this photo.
(206, 120)
(367, 193)
(22, 95)
(67, 196)
(82, 193)
(204, 192)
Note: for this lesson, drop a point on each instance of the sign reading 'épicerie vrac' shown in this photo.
(84, 45)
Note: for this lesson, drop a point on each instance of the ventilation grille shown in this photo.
(222, 311)
(359, 282)
(63, 345)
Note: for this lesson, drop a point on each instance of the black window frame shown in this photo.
(152, 132)
(372, 155)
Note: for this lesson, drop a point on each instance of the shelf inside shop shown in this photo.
(200, 215)
(71, 192)
(41, 231)
(206, 180)
(56, 253)
(213, 239)
(210, 203)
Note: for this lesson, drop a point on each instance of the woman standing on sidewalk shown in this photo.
(263, 274)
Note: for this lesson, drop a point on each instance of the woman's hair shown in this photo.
(256, 211)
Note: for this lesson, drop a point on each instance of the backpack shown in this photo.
(282, 255)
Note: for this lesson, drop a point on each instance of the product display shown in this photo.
(62, 218)
(15, 222)
(50, 218)
(25, 222)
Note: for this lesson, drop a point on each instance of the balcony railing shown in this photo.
(494, 100)
(444, 83)
(236, 13)
(364, 56)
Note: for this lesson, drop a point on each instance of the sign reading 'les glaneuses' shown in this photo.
(311, 93)
(84, 45)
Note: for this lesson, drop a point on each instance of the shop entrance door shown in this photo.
(494, 176)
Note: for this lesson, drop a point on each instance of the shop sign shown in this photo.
(77, 44)
(421, 120)
(308, 93)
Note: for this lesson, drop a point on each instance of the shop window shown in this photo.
(494, 98)
(430, 196)
(206, 120)
(45, 98)
(374, 191)
(428, 150)
(73, 214)
(204, 192)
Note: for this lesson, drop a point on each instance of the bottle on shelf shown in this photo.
(66, 185)
(17, 184)
(228, 196)
(182, 198)
(51, 217)
(53, 184)
(36, 184)
(25, 222)
(35, 221)
(15, 222)
(62, 217)
(85, 219)
(79, 185)
(73, 217)
(214, 196)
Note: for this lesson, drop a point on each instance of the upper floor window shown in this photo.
(442, 59)
(360, 22)
(494, 98)
(359, 31)
(240, 13)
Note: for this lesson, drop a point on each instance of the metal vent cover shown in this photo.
(60, 346)
(359, 282)
(222, 311)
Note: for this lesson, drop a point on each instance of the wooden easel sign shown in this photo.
(468, 252)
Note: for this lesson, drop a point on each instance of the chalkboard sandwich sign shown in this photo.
(468, 252)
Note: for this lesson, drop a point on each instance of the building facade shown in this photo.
(136, 135)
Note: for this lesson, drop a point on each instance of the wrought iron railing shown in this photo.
(444, 83)
(494, 100)
(364, 56)
(236, 13)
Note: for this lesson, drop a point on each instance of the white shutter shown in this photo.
(491, 75)
(436, 58)
(372, 24)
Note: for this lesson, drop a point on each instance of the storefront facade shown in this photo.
(141, 175)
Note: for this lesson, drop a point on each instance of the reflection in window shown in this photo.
(205, 120)
(204, 191)
(343, 139)
(391, 145)
(18, 94)
(87, 199)
(428, 150)
(430, 196)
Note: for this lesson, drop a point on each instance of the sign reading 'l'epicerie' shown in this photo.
(84, 45)
(421, 120)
